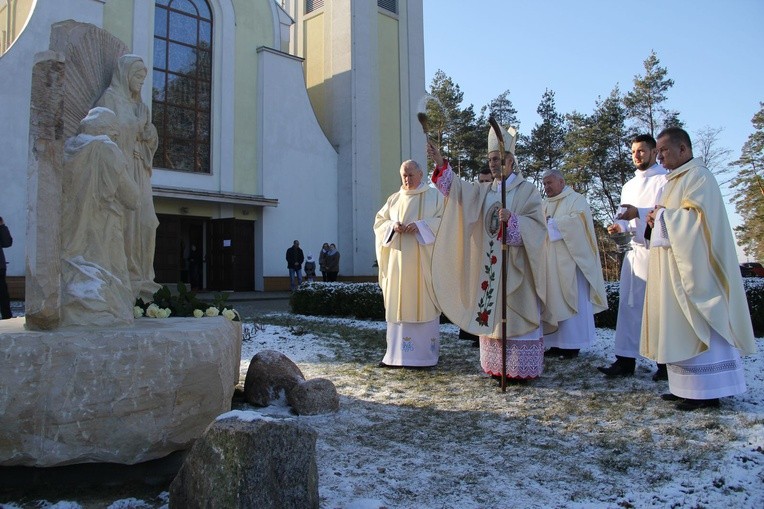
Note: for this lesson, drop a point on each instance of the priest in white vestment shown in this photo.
(696, 317)
(638, 197)
(405, 231)
(575, 288)
(467, 261)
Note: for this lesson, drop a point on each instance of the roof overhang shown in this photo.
(212, 196)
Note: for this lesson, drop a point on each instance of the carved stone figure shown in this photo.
(98, 192)
(138, 140)
(146, 387)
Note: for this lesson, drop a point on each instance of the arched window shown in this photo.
(181, 102)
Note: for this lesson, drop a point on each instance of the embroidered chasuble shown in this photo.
(405, 260)
(467, 256)
(695, 284)
(577, 248)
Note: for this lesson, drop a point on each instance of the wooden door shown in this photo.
(168, 250)
(230, 255)
(244, 256)
(219, 259)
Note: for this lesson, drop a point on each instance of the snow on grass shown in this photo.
(447, 437)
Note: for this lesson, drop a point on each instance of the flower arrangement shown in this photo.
(183, 304)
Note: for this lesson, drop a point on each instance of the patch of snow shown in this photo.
(244, 415)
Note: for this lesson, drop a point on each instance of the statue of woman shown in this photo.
(98, 191)
(138, 140)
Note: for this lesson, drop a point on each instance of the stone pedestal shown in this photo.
(123, 395)
(240, 464)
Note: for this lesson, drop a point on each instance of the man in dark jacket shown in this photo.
(5, 301)
(294, 258)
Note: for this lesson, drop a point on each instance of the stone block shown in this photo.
(264, 463)
(121, 395)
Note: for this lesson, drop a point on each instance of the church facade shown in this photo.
(278, 120)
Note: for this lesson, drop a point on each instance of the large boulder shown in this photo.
(315, 396)
(120, 395)
(270, 376)
(264, 463)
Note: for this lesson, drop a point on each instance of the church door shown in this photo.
(230, 255)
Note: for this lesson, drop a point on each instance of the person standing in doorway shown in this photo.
(195, 267)
(294, 259)
(5, 300)
(332, 263)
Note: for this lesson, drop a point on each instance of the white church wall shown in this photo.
(15, 92)
(299, 165)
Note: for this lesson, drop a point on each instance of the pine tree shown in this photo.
(644, 104)
(544, 149)
(502, 109)
(598, 161)
(749, 190)
(597, 164)
(451, 126)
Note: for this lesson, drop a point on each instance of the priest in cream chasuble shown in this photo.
(696, 317)
(405, 229)
(575, 288)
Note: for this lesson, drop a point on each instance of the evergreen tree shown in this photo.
(644, 103)
(597, 164)
(453, 127)
(544, 149)
(502, 109)
(749, 190)
(598, 158)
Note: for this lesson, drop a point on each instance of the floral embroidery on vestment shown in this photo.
(485, 304)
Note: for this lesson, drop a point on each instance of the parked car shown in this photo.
(751, 269)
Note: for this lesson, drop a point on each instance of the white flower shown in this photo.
(152, 311)
(231, 314)
(212, 311)
(164, 313)
(198, 313)
(137, 311)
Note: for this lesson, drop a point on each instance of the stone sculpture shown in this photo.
(105, 387)
(98, 192)
(138, 140)
(66, 82)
